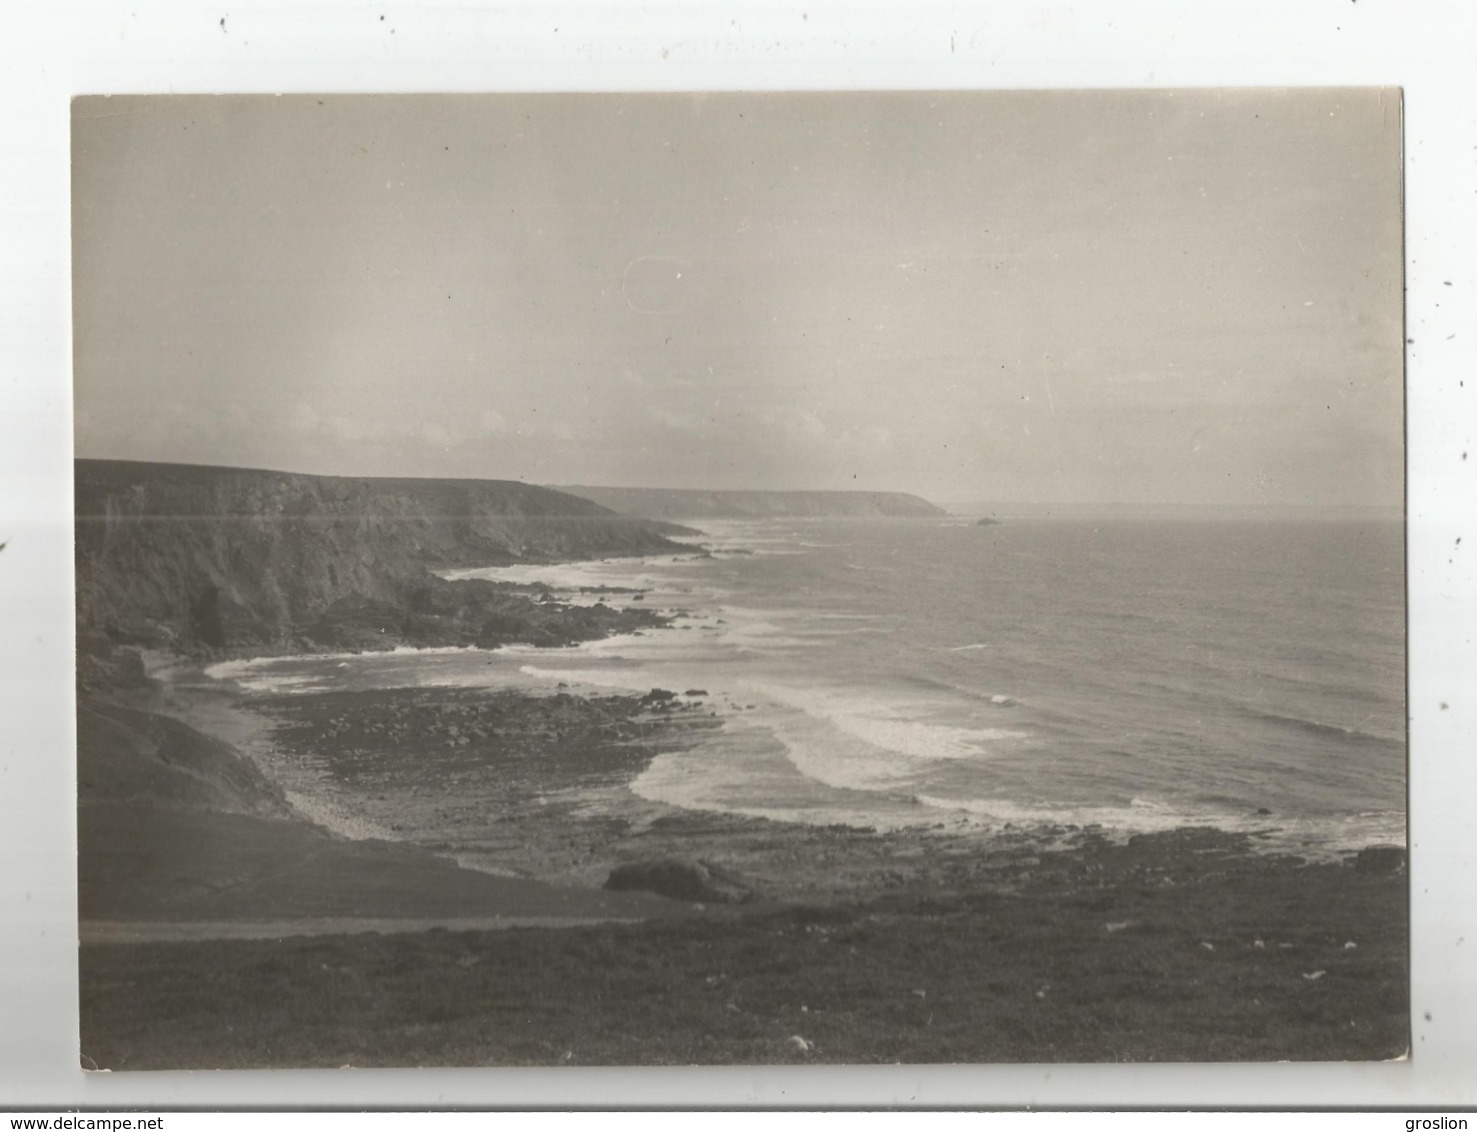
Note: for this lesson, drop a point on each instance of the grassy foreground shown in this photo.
(1182, 946)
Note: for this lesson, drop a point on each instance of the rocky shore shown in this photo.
(837, 945)
(505, 781)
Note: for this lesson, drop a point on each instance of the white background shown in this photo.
(52, 52)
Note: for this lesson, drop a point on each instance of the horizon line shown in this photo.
(943, 502)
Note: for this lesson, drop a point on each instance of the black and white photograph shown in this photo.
(792, 578)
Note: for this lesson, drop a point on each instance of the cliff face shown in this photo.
(674, 503)
(224, 557)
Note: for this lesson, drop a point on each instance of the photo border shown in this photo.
(66, 49)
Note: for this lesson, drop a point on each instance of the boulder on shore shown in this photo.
(1379, 859)
(680, 879)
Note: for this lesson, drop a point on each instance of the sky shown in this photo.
(1169, 297)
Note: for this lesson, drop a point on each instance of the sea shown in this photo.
(1128, 674)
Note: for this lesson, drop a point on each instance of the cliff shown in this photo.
(226, 557)
(674, 503)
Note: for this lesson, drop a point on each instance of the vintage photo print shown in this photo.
(791, 578)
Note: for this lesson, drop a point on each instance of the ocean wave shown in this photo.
(267, 684)
(1139, 815)
(802, 771)
(762, 630)
(646, 573)
(1324, 837)
(1323, 730)
(832, 616)
(746, 768)
(310, 671)
(233, 669)
(933, 683)
(634, 679)
(852, 742)
(924, 741)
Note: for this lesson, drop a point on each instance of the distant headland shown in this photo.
(684, 503)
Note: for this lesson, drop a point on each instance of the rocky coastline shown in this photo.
(580, 924)
(199, 559)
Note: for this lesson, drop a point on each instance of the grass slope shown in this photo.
(174, 825)
(1175, 947)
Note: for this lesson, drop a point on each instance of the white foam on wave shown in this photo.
(970, 648)
(1321, 838)
(924, 741)
(655, 647)
(268, 684)
(825, 625)
(858, 743)
(233, 669)
(768, 630)
(745, 769)
(622, 679)
(650, 575)
(786, 764)
(766, 548)
(1140, 815)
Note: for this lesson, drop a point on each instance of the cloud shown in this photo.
(307, 421)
